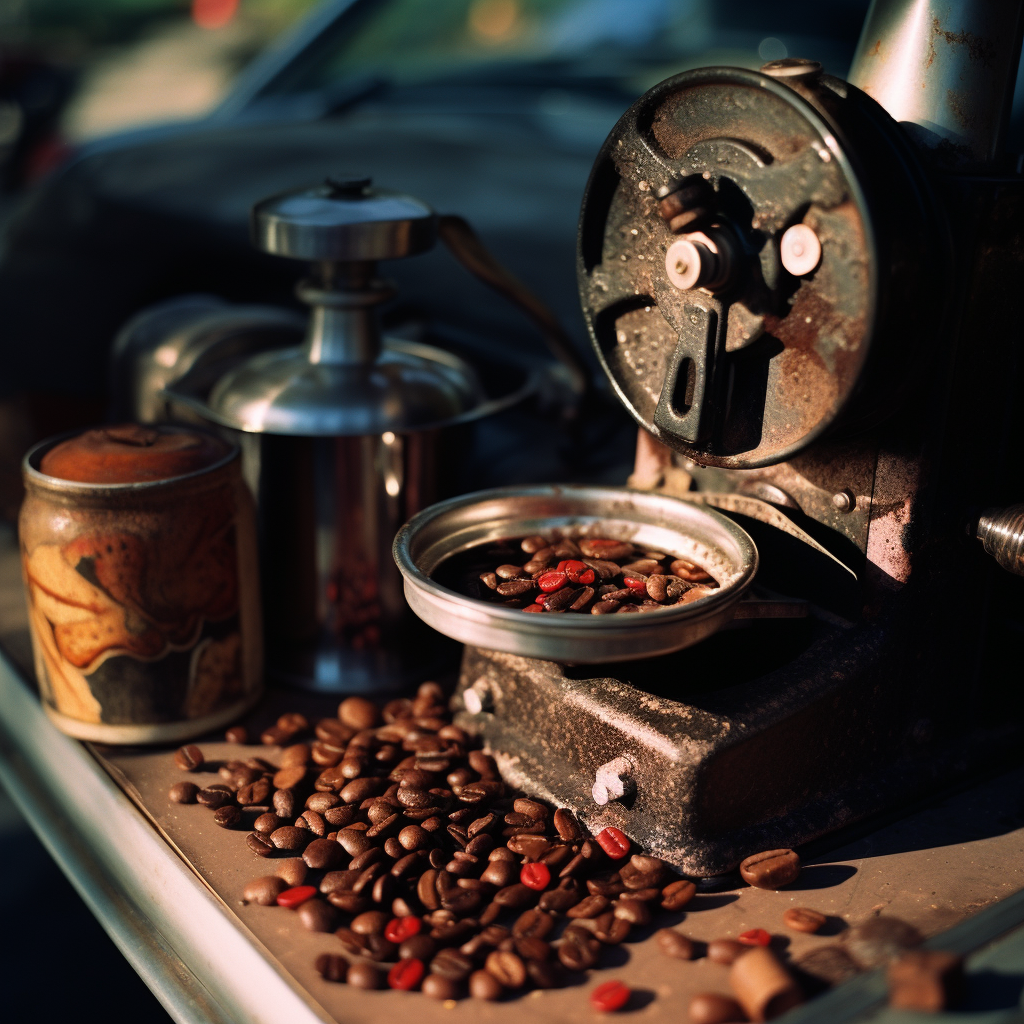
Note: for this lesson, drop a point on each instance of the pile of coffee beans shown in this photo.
(388, 829)
(595, 575)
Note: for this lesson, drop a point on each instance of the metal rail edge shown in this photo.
(201, 965)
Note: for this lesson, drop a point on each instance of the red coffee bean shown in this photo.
(755, 937)
(586, 577)
(635, 584)
(293, 897)
(406, 974)
(551, 581)
(399, 929)
(535, 876)
(612, 995)
(613, 842)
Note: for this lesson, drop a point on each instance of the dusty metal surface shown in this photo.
(933, 869)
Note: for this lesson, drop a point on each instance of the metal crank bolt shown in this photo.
(700, 260)
(614, 781)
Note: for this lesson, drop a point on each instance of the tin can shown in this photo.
(143, 597)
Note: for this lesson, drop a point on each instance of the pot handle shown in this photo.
(465, 245)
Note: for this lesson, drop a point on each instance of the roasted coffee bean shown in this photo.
(324, 755)
(265, 890)
(285, 803)
(516, 897)
(604, 607)
(484, 985)
(413, 837)
(480, 845)
(338, 881)
(293, 870)
(358, 790)
(559, 901)
(489, 580)
(567, 826)
(712, 1008)
(384, 828)
(362, 975)
(341, 816)
(358, 713)
(725, 951)
(260, 844)
(500, 873)
(578, 951)
(672, 944)
(507, 967)
(361, 861)
(803, 919)
(227, 816)
(330, 730)
(644, 895)
(322, 855)
(676, 895)
(237, 734)
(215, 796)
(292, 722)
(426, 889)
(294, 756)
(372, 922)
(560, 600)
(436, 987)
(318, 916)
(589, 907)
(452, 964)
(611, 930)
(643, 872)
(255, 794)
(657, 587)
(353, 841)
(508, 572)
(349, 902)
(772, 869)
(530, 948)
(312, 821)
(418, 947)
(289, 778)
(533, 924)
(321, 802)
(188, 758)
(288, 837)
(534, 543)
(273, 736)
(633, 912)
(383, 890)
(515, 588)
(607, 883)
(532, 847)
(183, 792)
(331, 967)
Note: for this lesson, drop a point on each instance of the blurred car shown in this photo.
(492, 109)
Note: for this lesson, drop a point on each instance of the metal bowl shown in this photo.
(655, 521)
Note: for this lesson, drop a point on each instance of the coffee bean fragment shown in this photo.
(188, 758)
(771, 869)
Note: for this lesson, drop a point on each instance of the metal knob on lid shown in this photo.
(344, 380)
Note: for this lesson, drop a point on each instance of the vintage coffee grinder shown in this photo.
(805, 291)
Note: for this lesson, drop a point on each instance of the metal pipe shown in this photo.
(945, 69)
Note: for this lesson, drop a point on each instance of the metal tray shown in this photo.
(655, 520)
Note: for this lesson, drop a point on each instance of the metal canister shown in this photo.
(142, 583)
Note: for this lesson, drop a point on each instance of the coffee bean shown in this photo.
(529, 947)
(633, 912)
(338, 881)
(341, 816)
(318, 916)
(771, 869)
(589, 907)
(725, 951)
(507, 967)
(500, 873)
(331, 967)
(712, 1008)
(237, 734)
(452, 964)
(288, 778)
(322, 855)
(369, 856)
(264, 890)
(426, 889)
(515, 588)
(578, 951)
(412, 837)
(611, 930)
(260, 844)
(257, 793)
(267, 823)
(418, 947)
(803, 919)
(356, 791)
(227, 816)
(188, 758)
(284, 803)
(534, 924)
(676, 895)
(607, 883)
(532, 847)
(353, 841)
(349, 902)
(436, 987)
(559, 901)
(604, 607)
(215, 796)
(672, 944)
(516, 897)
(312, 821)
(293, 870)
(484, 985)
(363, 975)
(183, 792)
(288, 837)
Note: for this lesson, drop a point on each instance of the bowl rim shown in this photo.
(480, 611)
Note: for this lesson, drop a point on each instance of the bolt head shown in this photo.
(800, 250)
(843, 501)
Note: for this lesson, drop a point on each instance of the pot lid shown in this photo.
(408, 387)
(343, 219)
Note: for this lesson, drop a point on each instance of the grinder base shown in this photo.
(772, 737)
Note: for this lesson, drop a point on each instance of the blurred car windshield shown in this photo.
(416, 41)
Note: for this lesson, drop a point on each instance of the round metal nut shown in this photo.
(800, 250)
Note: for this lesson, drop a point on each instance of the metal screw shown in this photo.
(613, 781)
(477, 698)
(791, 67)
(844, 501)
(800, 250)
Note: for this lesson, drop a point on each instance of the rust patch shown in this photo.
(956, 104)
(805, 392)
(978, 49)
(876, 49)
